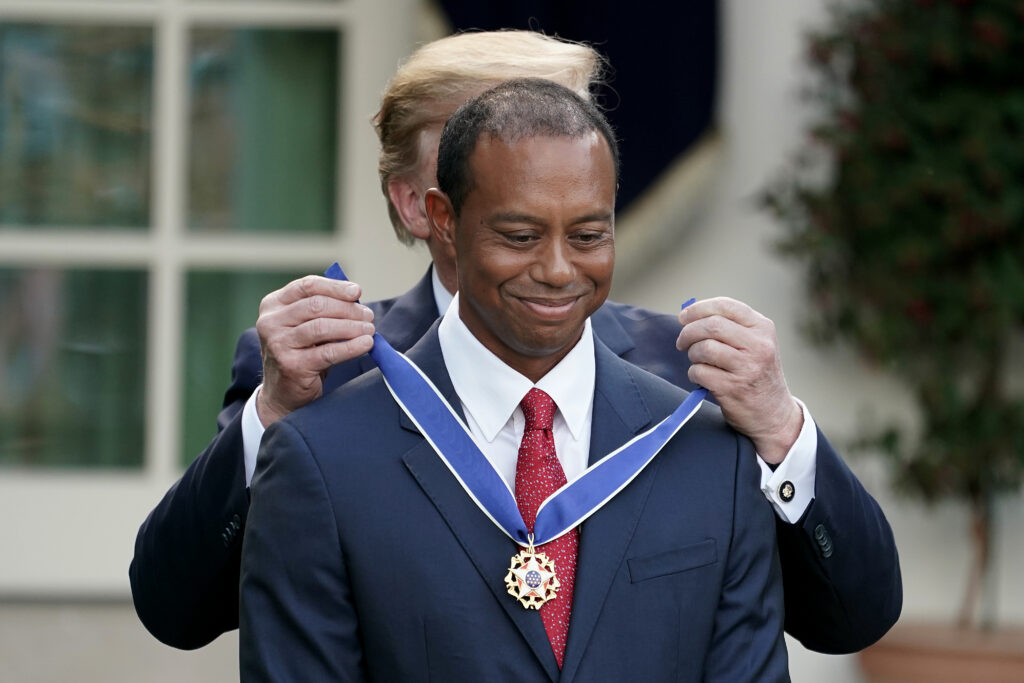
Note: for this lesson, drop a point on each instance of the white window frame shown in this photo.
(70, 533)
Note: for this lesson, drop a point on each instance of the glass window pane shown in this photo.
(220, 306)
(262, 130)
(75, 111)
(72, 367)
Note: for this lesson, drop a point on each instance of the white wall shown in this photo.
(729, 254)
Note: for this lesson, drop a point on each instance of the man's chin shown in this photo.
(537, 344)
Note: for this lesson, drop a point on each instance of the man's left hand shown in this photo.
(734, 354)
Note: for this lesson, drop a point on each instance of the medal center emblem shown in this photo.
(531, 579)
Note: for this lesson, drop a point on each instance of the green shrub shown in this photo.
(905, 207)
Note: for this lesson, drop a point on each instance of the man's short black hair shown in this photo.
(516, 109)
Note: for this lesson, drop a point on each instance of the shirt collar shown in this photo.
(491, 390)
(442, 297)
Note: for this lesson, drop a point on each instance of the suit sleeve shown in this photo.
(747, 644)
(184, 575)
(839, 562)
(297, 621)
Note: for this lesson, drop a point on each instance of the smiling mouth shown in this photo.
(550, 308)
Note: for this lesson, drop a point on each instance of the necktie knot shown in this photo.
(538, 409)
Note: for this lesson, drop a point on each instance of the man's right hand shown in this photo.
(306, 327)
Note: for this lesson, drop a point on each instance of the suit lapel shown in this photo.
(620, 413)
(610, 331)
(488, 548)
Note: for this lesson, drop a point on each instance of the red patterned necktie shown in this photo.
(538, 475)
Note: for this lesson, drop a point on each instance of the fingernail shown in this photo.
(683, 316)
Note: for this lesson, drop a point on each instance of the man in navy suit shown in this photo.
(365, 558)
(839, 560)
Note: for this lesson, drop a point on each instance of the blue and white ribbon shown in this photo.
(564, 509)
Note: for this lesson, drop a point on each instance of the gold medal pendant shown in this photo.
(531, 578)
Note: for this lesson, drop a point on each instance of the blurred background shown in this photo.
(166, 163)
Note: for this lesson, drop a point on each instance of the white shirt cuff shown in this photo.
(790, 488)
(252, 434)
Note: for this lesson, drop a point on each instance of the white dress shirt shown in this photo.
(442, 297)
(498, 425)
(490, 392)
(797, 470)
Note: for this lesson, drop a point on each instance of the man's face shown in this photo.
(535, 245)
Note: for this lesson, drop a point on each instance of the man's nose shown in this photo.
(554, 266)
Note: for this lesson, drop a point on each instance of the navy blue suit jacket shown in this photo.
(365, 560)
(840, 567)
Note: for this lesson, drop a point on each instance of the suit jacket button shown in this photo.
(823, 540)
(787, 491)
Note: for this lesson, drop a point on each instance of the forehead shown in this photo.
(539, 163)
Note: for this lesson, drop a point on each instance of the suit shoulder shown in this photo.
(645, 338)
(364, 400)
(633, 316)
(664, 397)
(649, 330)
(382, 307)
(654, 389)
(248, 359)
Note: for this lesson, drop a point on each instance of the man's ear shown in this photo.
(440, 217)
(407, 200)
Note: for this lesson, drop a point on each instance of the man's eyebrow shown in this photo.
(513, 217)
(600, 217)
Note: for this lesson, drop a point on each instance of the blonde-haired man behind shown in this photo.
(439, 77)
